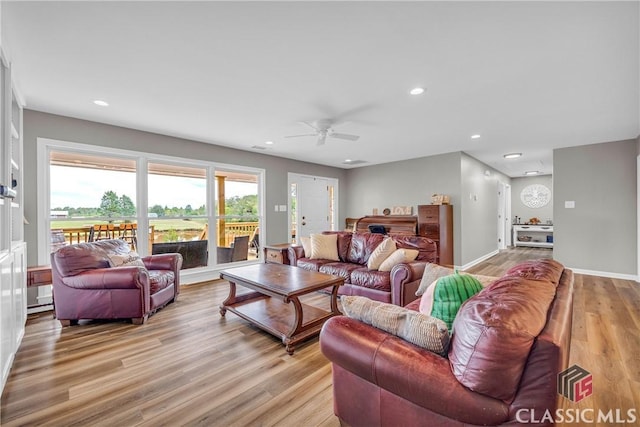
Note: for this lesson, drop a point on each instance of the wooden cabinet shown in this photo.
(277, 254)
(436, 223)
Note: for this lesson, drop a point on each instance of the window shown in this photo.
(177, 211)
(91, 197)
(238, 216)
(171, 204)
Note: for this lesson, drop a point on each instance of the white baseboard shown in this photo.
(605, 274)
(479, 260)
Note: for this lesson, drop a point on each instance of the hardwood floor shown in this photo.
(189, 366)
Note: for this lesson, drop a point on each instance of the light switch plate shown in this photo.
(569, 204)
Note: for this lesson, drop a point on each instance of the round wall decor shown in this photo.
(535, 195)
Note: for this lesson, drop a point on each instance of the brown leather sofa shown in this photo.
(86, 286)
(499, 371)
(396, 287)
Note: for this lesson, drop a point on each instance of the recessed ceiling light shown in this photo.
(416, 91)
(101, 103)
(269, 142)
(348, 160)
(532, 172)
(475, 136)
(512, 155)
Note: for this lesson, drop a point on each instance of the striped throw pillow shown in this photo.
(449, 294)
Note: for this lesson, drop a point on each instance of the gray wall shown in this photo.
(518, 208)
(38, 124)
(412, 182)
(600, 233)
(406, 183)
(479, 209)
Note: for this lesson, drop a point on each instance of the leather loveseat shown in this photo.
(500, 370)
(86, 285)
(397, 286)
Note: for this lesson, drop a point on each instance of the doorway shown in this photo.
(312, 204)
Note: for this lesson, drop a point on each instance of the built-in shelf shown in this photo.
(540, 236)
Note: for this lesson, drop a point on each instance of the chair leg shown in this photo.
(139, 320)
(68, 322)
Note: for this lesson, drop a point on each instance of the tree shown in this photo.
(109, 205)
(127, 208)
(157, 209)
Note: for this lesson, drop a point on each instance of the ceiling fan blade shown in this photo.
(344, 136)
(304, 134)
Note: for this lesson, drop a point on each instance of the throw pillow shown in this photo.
(398, 257)
(431, 273)
(380, 253)
(126, 260)
(424, 331)
(444, 298)
(324, 246)
(306, 245)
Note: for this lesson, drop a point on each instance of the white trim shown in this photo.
(478, 260)
(608, 274)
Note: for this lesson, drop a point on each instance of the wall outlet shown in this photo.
(569, 204)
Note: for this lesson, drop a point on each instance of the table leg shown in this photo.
(334, 301)
(230, 299)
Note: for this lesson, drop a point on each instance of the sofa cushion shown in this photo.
(159, 280)
(448, 293)
(397, 257)
(494, 332)
(372, 279)
(380, 253)
(311, 264)
(75, 259)
(362, 246)
(432, 272)
(544, 269)
(324, 246)
(341, 269)
(424, 331)
(427, 249)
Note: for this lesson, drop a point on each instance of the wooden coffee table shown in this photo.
(274, 306)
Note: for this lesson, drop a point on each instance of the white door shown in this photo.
(313, 200)
(504, 213)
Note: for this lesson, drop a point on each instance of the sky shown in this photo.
(81, 187)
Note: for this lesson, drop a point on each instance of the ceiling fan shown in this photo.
(323, 130)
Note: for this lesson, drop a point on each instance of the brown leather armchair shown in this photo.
(87, 286)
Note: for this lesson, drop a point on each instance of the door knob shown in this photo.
(304, 223)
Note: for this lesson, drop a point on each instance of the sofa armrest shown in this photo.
(110, 278)
(295, 252)
(172, 261)
(413, 373)
(405, 280)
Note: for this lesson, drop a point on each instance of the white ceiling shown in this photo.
(527, 76)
